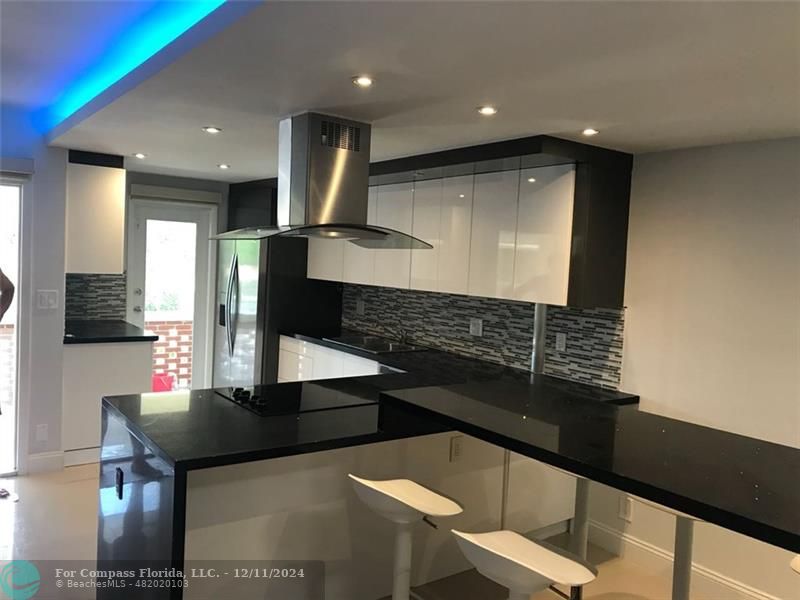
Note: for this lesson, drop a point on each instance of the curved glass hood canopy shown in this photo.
(323, 181)
(366, 236)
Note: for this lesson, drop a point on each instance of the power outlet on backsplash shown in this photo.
(360, 308)
(561, 342)
(476, 327)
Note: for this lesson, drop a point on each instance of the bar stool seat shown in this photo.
(795, 564)
(520, 564)
(403, 502)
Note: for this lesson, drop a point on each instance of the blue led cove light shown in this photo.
(156, 29)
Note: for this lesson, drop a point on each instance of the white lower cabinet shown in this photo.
(90, 372)
(494, 231)
(304, 361)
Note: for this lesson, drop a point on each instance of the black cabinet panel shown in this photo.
(253, 203)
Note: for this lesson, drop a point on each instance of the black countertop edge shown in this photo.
(413, 362)
(401, 428)
(705, 512)
(104, 331)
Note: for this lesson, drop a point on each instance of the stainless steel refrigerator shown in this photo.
(263, 292)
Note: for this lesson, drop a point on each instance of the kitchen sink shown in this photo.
(374, 344)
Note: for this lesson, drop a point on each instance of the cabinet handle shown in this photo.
(120, 481)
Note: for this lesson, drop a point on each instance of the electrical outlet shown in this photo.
(46, 299)
(476, 327)
(561, 342)
(456, 448)
(42, 433)
(360, 308)
(626, 508)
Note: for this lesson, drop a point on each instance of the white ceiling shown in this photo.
(648, 75)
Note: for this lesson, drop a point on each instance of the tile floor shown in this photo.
(56, 518)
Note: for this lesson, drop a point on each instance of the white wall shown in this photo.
(43, 268)
(712, 328)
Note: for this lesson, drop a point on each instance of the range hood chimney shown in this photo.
(323, 180)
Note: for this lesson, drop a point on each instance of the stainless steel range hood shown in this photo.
(323, 178)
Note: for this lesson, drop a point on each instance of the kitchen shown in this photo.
(605, 273)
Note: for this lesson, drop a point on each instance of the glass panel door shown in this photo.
(10, 196)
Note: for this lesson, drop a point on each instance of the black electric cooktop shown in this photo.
(292, 398)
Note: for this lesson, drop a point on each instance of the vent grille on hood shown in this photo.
(337, 135)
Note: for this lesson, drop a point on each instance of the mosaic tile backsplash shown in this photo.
(94, 296)
(594, 336)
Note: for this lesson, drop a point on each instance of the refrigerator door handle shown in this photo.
(228, 299)
(233, 304)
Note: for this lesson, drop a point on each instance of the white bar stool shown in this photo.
(522, 565)
(403, 502)
(682, 557)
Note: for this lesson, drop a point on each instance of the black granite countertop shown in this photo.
(740, 483)
(202, 428)
(100, 331)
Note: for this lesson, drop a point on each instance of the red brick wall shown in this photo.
(172, 353)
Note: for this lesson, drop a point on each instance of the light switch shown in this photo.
(46, 299)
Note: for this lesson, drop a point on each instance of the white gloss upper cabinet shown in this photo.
(455, 230)
(325, 259)
(544, 234)
(395, 208)
(494, 229)
(426, 226)
(95, 219)
(359, 263)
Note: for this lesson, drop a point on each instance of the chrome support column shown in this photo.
(682, 565)
(539, 334)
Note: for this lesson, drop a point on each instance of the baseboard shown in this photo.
(44, 462)
(84, 456)
(652, 556)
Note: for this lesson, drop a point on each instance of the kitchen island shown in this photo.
(180, 468)
(196, 477)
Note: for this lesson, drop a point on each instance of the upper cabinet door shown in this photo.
(95, 219)
(455, 231)
(427, 218)
(494, 229)
(544, 234)
(359, 263)
(325, 259)
(395, 210)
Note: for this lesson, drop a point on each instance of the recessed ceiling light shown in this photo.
(140, 155)
(363, 81)
(211, 129)
(589, 132)
(487, 111)
(461, 195)
(224, 166)
(531, 179)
